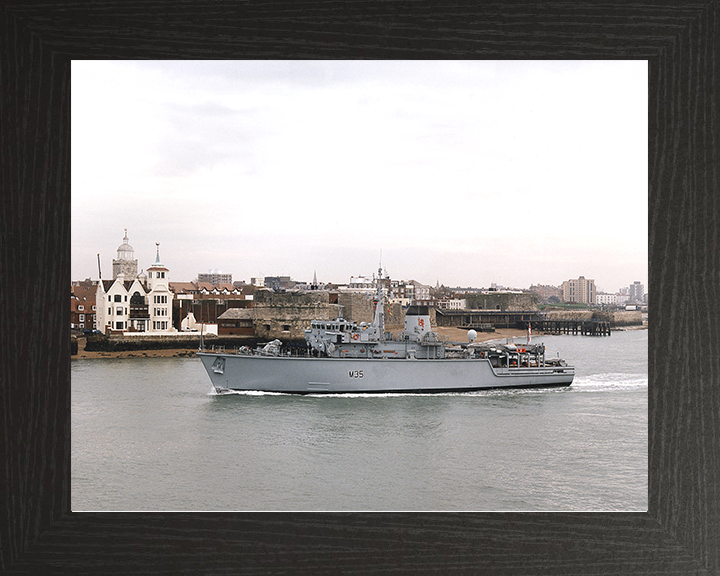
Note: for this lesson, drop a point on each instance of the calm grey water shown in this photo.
(149, 434)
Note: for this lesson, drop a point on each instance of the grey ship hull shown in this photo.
(307, 375)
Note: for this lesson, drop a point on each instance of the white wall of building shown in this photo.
(606, 299)
(113, 306)
(454, 304)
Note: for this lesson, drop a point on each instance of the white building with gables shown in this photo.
(135, 304)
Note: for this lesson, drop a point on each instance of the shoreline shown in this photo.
(452, 334)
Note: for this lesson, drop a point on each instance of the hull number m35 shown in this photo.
(355, 373)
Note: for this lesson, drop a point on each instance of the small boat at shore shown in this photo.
(347, 357)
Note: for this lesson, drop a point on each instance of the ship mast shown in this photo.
(379, 321)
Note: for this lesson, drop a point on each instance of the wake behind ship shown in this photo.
(346, 357)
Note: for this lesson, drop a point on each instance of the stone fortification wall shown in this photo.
(616, 318)
(624, 317)
(102, 343)
(118, 343)
(395, 317)
(581, 315)
(285, 315)
(358, 307)
(506, 301)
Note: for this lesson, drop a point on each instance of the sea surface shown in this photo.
(149, 434)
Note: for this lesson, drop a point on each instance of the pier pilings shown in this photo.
(582, 327)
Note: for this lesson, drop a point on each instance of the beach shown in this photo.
(161, 353)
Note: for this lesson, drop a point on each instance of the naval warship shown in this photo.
(347, 357)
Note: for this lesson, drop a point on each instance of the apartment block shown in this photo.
(581, 291)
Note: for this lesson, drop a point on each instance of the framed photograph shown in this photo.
(676, 535)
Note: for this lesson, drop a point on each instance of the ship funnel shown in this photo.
(417, 320)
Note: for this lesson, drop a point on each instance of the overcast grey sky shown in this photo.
(466, 173)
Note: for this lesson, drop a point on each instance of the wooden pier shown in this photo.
(489, 320)
(582, 327)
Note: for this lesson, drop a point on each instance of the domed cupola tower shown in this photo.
(125, 263)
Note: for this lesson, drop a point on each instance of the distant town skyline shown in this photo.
(462, 173)
(202, 276)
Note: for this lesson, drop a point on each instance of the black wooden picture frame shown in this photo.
(680, 532)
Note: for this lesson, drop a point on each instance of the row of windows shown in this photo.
(82, 307)
(162, 325)
(118, 298)
(120, 311)
(285, 327)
